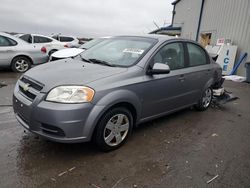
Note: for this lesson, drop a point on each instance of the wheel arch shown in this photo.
(124, 98)
(209, 83)
(126, 105)
(22, 55)
(52, 50)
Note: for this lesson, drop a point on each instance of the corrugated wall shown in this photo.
(187, 16)
(228, 19)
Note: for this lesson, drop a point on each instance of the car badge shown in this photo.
(25, 87)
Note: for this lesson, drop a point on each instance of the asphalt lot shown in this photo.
(185, 149)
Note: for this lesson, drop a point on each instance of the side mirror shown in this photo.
(159, 68)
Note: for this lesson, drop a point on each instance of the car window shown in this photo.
(55, 37)
(5, 41)
(66, 39)
(172, 55)
(26, 38)
(39, 39)
(197, 55)
(119, 51)
(12, 42)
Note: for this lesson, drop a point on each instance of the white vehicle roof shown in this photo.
(39, 35)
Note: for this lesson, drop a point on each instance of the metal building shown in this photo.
(208, 20)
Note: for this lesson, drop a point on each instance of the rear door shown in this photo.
(167, 92)
(199, 69)
(7, 50)
(40, 41)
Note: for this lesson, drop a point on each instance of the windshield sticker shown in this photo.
(133, 51)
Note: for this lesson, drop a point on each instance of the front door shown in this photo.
(166, 92)
(199, 69)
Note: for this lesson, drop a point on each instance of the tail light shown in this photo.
(66, 46)
(43, 49)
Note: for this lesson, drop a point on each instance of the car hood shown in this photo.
(70, 72)
(68, 52)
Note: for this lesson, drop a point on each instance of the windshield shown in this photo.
(91, 43)
(120, 51)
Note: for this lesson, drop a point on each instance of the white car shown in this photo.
(72, 52)
(18, 54)
(51, 44)
(68, 41)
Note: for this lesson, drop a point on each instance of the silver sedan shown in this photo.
(113, 86)
(18, 54)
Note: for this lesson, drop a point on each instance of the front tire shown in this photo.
(205, 100)
(20, 64)
(113, 129)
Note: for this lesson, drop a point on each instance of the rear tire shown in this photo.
(20, 64)
(113, 129)
(205, 100)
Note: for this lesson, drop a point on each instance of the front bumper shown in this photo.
(66, 123)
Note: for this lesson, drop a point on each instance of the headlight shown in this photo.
(71, 94)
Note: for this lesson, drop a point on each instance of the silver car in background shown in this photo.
(18, 54)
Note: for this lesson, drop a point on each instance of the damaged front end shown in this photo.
(220, 95)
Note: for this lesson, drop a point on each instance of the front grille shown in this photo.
(29, 88)
(27, 93)
(34, 84)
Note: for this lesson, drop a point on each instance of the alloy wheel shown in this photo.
(21, 65)
(116, 129)
(207, 97)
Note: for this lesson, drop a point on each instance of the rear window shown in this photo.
(39, 39)
(66, 39)
(26, 38)
(5, 41)
(197, 55)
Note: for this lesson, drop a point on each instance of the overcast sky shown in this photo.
(85, 18)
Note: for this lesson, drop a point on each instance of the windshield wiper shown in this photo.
(87, 60)
(98, 61)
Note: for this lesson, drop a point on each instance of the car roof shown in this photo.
(34, 34)
(66, 36)
(6, 34)
(39, 35)
(162, 38)
(151, 36)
